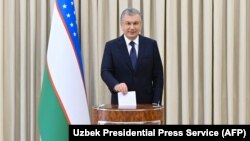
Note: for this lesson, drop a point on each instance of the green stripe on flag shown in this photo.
(52, 122)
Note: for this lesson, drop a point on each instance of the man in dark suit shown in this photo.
(135, 66)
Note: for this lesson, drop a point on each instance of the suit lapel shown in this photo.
(142, 48)
(124, 52)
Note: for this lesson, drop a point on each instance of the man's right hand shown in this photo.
(121, 87)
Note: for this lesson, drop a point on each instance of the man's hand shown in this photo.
(121, 87)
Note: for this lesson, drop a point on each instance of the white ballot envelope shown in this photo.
(128, 100)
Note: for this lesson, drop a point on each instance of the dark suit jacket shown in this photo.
(146, 79)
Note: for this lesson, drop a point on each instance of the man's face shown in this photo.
(131, 26)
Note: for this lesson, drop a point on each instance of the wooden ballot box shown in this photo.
(140, 114)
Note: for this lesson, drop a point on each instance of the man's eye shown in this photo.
(129, 24)
(136, 23)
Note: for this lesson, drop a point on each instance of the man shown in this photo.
(133, 66)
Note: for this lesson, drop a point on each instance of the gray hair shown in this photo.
(130, 12)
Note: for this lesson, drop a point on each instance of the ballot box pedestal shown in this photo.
(140, 114)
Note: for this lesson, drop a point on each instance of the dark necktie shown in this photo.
(133, 54)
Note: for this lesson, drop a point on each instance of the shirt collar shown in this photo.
(136, 40)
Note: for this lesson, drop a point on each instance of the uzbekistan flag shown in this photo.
(63, 98)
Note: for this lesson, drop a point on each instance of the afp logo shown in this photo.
(233, 133)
